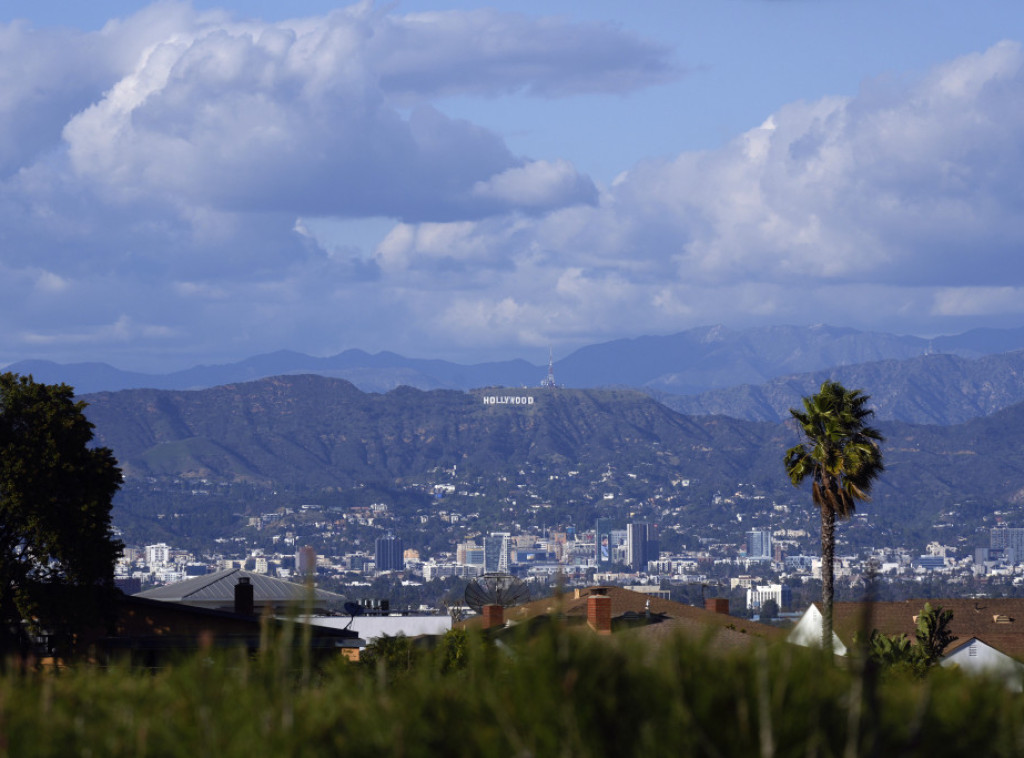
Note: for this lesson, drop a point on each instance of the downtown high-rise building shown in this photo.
(305, 560)
(641, 545)
(158, 555)
(497, 553)
(759, 544)
(1010, 540)
(389, 553)
(469, 554)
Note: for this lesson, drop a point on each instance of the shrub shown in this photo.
(549, 692)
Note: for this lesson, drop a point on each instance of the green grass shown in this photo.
(559, 693)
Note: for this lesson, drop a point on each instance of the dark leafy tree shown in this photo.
(395, 656)
(899, 653)
(842, 458)
(891, 650)
(769, 609)
(57, 550)
(932, 633)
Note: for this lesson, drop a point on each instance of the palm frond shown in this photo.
(840, 451)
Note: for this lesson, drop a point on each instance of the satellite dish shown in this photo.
(496, 589)
(353, 610)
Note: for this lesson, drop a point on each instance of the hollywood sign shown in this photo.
(508, 400)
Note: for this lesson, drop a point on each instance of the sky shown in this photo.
(199, 183)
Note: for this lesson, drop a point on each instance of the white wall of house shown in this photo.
(975, 657)
(371, 627)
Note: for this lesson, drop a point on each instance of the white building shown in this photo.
(158, 555)
(759, 594)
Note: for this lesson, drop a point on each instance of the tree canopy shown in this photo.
(57, 549)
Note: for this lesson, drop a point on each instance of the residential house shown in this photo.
(989, 631)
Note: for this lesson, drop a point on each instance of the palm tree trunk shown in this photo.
(828, 550)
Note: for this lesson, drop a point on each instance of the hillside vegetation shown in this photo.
(318, 432)
(311, 431)
(311, 435)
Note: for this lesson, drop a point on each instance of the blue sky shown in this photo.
(197, 183)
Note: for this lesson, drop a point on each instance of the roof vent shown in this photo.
(1001, 619)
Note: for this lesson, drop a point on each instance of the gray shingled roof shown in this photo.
(218, 590)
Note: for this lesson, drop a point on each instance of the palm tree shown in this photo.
(842, 457)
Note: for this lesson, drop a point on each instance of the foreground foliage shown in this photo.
(559, 693)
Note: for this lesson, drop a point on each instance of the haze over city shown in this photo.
(185, 183)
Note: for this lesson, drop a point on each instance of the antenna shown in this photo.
(496, 589)
(549, 380)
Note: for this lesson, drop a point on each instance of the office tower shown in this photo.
(1010, 541)
(759, 544)
(497, 549)
(603, 546)
(305, 560)
(389, 553)
(641, 545)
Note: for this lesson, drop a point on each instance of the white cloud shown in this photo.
(902, 201)
(978, 301)
(50, 283)
(167, 181)
(300, 117)
(125, 329)
(539, 184)
(48, 74)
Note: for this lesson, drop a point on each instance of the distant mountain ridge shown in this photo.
(690, 362)
(929, 389)
(378, 372)
(754, 374)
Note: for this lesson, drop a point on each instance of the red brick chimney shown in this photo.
(717, 605)
(599, 613)
(494, 615)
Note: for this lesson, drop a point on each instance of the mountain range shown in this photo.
(755, 374)
(929, 389)
(310, 432)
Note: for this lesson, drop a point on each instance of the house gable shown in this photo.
(807, 632)
(975, 656)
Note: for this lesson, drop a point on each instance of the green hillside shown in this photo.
(322, 438)
(324, 432)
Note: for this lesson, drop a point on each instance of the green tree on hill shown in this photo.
(57, 551)
(841, 456)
